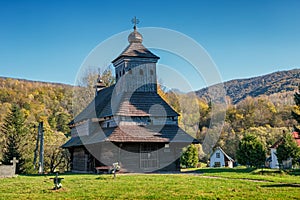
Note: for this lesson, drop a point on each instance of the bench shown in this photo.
(104, 169)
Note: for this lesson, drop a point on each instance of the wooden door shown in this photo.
(148, 156)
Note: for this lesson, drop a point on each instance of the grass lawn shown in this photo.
(272, 175)
(230, 184)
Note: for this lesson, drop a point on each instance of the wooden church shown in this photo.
(128, 122)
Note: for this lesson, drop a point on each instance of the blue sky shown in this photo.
(49, 40)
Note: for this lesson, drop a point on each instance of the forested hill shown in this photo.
(277, 82)
(38, 100)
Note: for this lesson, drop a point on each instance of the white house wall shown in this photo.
(214, 159)
(274, 164)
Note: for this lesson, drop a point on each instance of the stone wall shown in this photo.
(7, 170)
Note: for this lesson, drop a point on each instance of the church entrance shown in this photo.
(148, 156)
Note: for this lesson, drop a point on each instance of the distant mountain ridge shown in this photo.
(276, 82)
(237, 89)
(34, 81)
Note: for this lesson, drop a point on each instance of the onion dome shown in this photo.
(135, 37)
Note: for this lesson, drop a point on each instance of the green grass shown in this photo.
(230, 184)
(272, 175)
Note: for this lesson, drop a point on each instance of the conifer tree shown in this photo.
(189, 157)
(296, 112)
(288, 147)
(251, 151)
(13, 129)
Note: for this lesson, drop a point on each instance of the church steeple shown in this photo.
(138, 62)
(135, 36)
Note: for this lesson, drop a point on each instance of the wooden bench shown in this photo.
(103, 169)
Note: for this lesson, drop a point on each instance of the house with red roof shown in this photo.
(273, 161)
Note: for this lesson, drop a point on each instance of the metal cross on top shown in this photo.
(135, 21)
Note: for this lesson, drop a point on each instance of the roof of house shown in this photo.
(295, 135)
(125, 104)
(133, 133)
(225, 154)
(277, 143)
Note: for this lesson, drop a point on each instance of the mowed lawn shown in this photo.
(206, 184)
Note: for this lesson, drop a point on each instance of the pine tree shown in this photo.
(13, 129)
(296, 112)
(288, 149)
(189, 157)
(251, 151)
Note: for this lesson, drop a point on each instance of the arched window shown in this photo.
(141, 72)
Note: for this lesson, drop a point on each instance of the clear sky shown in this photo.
(48, 40)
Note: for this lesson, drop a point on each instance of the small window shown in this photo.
(167, 148)
(218, 155)
(141, 72)
(120, 73)
(107, 124)
(123, 71)
(116, 76)
(217, 164)
(151, 72)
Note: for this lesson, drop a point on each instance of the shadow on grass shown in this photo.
(54, 174)
(222, 170)
(295, 172)
(282, 185)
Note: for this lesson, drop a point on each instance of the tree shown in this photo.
(55, 158)
(251, 151)
(84, 93)
(295, 112)
(189, 158)
(13, 130)
(288, 149)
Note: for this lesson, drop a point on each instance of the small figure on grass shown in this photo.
(57, 182)
(116, 167)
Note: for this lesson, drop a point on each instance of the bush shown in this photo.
(189, 157)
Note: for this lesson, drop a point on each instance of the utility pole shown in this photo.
(41, 136)
(36, 147)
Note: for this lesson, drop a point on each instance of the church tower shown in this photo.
(135, 67)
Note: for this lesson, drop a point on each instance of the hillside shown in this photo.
(270, 84)
(266, 113)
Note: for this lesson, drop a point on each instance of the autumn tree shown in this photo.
(84, 93)
(251, 151)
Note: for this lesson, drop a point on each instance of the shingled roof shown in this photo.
(134, 133)
(127, 104)
(136, 50)
(139, 104)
